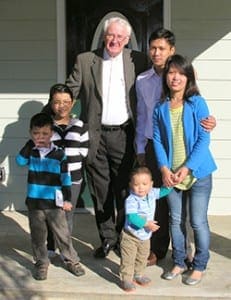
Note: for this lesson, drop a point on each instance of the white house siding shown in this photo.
(203, 33)
(28, 66)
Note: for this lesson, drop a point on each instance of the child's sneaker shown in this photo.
(40, 271)
(128, 286)
(51, 254)
(142, 280)
(62, 257)
(75, 269)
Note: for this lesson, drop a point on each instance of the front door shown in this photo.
(84, 20)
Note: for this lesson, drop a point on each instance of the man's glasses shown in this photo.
(120, 38)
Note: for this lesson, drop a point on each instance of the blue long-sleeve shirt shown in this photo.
(46, 175)
(140, 210)
(199, 158)
(148, 92)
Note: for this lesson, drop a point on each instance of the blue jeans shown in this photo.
(198, 196)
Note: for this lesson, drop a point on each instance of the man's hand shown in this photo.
(209, 123)
(141, 159)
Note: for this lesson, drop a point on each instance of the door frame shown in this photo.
(61, 34)
(61, 40)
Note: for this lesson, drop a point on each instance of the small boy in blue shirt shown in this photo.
(48, 196)
(139, 225)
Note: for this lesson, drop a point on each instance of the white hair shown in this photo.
(120, 21)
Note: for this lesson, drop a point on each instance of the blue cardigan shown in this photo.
(199, 158)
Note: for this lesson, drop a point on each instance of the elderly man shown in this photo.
(104, 81)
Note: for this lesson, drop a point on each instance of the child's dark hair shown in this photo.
(40, 120)
(60, 88)
(140, 170)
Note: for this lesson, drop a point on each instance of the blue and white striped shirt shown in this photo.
(47, 173)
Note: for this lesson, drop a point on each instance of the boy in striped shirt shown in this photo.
(48, 196)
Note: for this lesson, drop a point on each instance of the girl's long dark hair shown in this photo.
(186, 68)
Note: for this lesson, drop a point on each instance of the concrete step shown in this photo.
(101, 281)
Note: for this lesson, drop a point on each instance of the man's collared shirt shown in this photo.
(115, 110)
(148, 89)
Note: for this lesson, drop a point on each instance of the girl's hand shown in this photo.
(180, 174)
(168, 177)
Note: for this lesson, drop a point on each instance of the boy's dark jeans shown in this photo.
(57, 222)
(75, 191)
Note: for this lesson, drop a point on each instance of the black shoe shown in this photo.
(117, 250)
(152, 259)
(103, 250)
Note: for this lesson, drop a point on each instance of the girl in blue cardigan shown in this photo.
(182, 150)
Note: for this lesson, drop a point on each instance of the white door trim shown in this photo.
(61, 40)
(167, 14)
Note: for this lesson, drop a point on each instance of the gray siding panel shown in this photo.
(27, 9)
(28, 46)
(203, 34)
(28, 67)
(14, 131)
